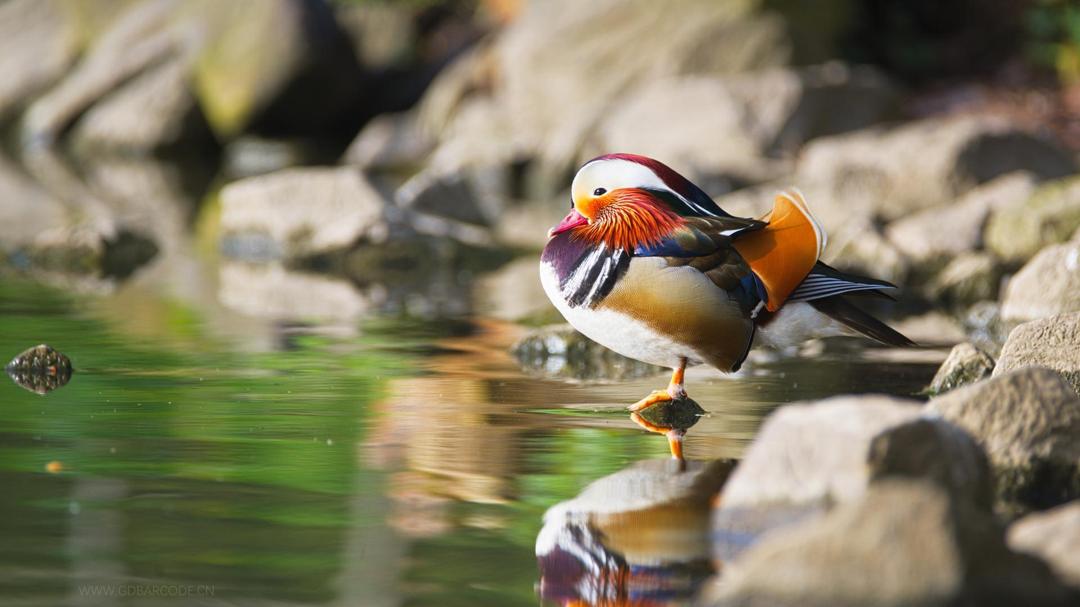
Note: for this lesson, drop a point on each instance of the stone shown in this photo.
(1052, 342)
(519, 98)
(965, 365)
(303, 212)
(1054, 536)
(137, 39)
(40, 369)
(904, 543)
(934, 328)
(1028, 421)
(155, 110)
(966, 279)
(560, 351)
(1049, 284)
(38, 42)
(957, 227)
(736, 124)
(307, 81)
(808, 457)
(860, 247)
(1049, 216)
(890, 173)
(390, 142)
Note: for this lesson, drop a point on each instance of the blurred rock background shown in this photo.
(383, 155)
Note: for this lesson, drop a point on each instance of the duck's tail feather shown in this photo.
(843, 311)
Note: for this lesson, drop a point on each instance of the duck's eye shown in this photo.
(599, 192)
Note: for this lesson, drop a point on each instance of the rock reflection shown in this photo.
(40, 369)
(636, 537)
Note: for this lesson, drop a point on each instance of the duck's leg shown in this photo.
(674, 390)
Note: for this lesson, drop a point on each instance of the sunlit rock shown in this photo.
(808, 457)
(1052, 342)
(956, 226)
(1049, 216)
(38, 41)
(1049, 284)
(1053, 535)
(1028, 421)
(903, 543)
(40, 369)
(301, 212)
(965, 365)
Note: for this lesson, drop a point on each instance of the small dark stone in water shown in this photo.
(679, 414)
(40, 369)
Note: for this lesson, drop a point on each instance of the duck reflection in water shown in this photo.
(639, 536)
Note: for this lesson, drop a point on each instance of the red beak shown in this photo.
(571, 221)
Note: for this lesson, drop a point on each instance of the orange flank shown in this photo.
(785, 251)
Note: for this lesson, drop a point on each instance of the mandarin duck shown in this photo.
(648, 265)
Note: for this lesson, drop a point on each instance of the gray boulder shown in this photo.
(38, 41)
(299, 213)
(1049, 342)
(1028, 421)
(390, 142)
(904, 543)
(1054, 536)
(1050, 215)
(808, 457)
(734, 124)
(155, 110)
(1049, 284)
(891, 173)
(957, 227)
(965, 365)
(966, 279)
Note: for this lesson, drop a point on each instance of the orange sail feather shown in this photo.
(785, 251)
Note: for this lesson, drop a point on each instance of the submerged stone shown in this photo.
(40, 369)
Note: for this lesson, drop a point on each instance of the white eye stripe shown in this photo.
(616, 173)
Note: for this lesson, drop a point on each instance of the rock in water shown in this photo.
(1028, 421)
(965, 365)
(1054, 536)
(40, 369)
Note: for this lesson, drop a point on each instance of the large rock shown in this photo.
(904, 543)
(307, 80)
(139, 38)
(390, 142)
(965, 365)
(734, 124)
(521, 97)
(957, 227)
(1049, 342)
(1048, 284)
(966, 279)
(808, 457)
(891, 173)
(37, 43)
(301, 212)
(1028, 421)
(1020, 230)
(1054, 536)
(155, 110)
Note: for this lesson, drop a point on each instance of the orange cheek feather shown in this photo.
(626, 218)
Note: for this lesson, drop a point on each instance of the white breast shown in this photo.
(616, 331)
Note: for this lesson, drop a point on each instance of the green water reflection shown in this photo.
(410, 463)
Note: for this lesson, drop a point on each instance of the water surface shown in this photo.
(393, 459)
